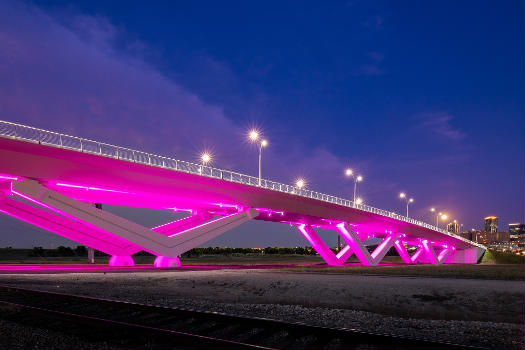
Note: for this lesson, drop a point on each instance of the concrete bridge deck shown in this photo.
(65, 174)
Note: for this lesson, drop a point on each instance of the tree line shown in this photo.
(81, 251)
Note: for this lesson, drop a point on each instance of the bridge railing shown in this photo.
(51, 138)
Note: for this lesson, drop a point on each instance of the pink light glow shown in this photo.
(443, 255)
(158, 189)
(105, 268)
(121, 260)
(335, 222)
(35, 201)
(320, 247)
(182, 210)
(416, 255)
(50, 208)
(382, 246)
(222, 205)
(400, 247)
(88, 188)
(9, 178)
(166, 261)
(270, 211)
(291, 223)
(429, 250)
(198, 226)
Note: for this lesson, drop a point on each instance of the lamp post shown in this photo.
(443, 216)
(254, 137)
(359, 178)
(403, 195)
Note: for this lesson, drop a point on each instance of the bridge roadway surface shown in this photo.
(92, 178)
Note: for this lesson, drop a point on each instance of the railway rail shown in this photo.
(129, 325)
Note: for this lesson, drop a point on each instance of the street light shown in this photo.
(253, 135)
(402, 195)
(359, 201)
(300, 183)
(359, 178)
(205, 159)
(443, 216)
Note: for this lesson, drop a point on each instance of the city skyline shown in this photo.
(120, 77)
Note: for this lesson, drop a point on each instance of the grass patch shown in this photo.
(495, 257)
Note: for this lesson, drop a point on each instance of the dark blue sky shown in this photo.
(425, 97)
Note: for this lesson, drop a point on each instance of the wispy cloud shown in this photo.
(373, 65)
(439, 123)
(71, 77)
(375, 22)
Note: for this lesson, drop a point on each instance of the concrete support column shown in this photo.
(121, 261)
(167, 261)
(91, 255)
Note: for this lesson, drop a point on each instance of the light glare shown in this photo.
(205, 157)
(402, 195)
(300, 183)
(253, 135)
(349, 172)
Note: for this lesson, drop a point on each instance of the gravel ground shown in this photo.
(14, 336)
(466, 311)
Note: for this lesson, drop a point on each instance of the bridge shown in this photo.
(52, 180)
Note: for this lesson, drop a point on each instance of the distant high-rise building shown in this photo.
(517, 234)
(474, 235)
(453, 227)
(491, 224)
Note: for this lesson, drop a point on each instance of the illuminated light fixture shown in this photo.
(253, 135)
(300, 183)
(359, 201)
(403, 195)
(444, 216)
(205, 158)
(271, 211)
(233, 206)
(350, 173)
(183, 210)
(6, 177)
(88, 188)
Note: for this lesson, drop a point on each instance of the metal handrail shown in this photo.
(51, 138)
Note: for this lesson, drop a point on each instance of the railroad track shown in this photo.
(137, 326)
